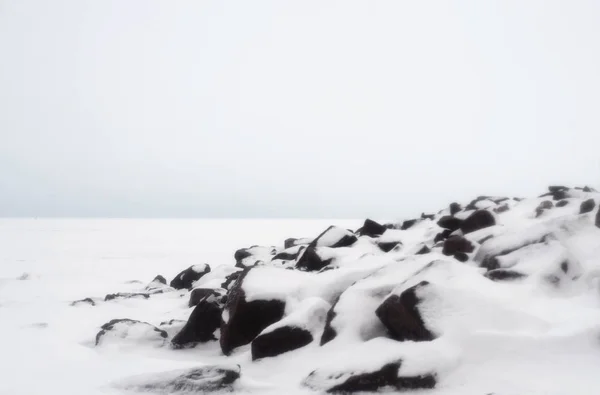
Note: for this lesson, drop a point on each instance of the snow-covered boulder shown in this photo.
(245, 316)
(125, 331)
(200, 380)
(204, 321)
(296, 330)
(401, 316)
(334, 237)
(383, 364)
(127, 295)
(186, 278)
(202, 294)
(310, 260)
(247, 257)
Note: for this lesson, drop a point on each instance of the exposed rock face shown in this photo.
(311, 261)
(388, 246)
(598, 218)
(187, 278)
(199, 294)
(334, 237)
(454, 208)
(449, 222)
(203, 322)
(587, 206)
(242, 321)
(279, 341)
(478, 220)
(408, 224)
(456, 244)
(371, 228)
(400, 314)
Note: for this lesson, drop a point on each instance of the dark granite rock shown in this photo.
(450, 222)
(587, 206)
(187, 278)
(311, 261)
(279, 341)
(455, 244)
(242, 321)
(400, 315)
(478, 220)
(371, 228)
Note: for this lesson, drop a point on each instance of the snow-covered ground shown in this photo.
(496, 297)
(47, 346)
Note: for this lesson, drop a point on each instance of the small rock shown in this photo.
(562, 203)
(130, 331)
(89, 301)
(504, 275)
(454, 208)
(587, 206)
(408, 224)
(461, 257)
(545, 205)
(126, 295)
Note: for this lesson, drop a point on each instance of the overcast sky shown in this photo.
(292, 108)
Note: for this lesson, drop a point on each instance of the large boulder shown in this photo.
(587, 206)
(202, 294)
(454, 208)
(243, 320)
(311, 261)
(130, 332)
(478, 220)
(279, 341)
(204, 321)
(376, 365)
(456, 244)
(450, 222)
(334, 237)
(202, 380)
(294, 331)
(387, 376)
(248, 257)
(401, 316)
(187, 278)
(371, 228)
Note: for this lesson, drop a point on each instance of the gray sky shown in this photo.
(292, 108)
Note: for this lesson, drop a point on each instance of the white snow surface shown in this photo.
(539, 335)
